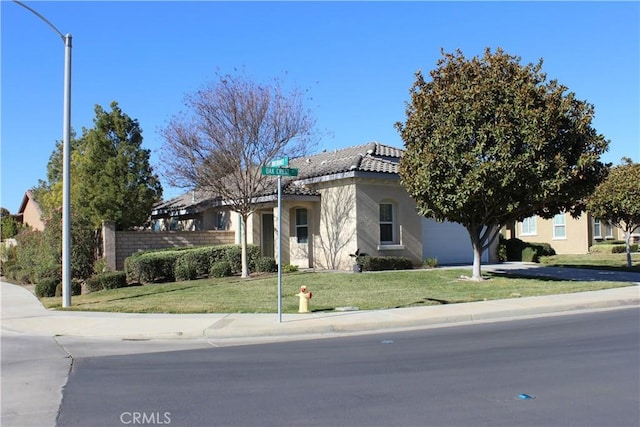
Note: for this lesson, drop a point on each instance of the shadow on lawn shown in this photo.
(132, 297)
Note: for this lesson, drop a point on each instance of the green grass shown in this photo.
(596, 261)
(367, 291)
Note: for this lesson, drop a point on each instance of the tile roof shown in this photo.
(372, 157)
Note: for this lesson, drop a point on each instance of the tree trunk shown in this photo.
(476, 243)
(477, 262)
(243, 237)
(627, 239)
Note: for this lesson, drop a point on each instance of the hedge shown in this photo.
(603, 248)
(110, 280)
(381, 263)
(518, 250)
(186, 263)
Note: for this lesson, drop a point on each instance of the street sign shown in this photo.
(282, 162)
(272, 170)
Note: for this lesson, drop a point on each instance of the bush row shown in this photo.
(192, 263)
(604, 248)
(52, 287)
(518, 250)
(381, 263)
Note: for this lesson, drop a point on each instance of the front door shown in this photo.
(268, 232)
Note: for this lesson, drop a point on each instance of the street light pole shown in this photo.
(66, 160)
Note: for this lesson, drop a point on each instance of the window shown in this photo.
(386, 223)
(302, 225)
(608, 230)
(559, 227)
(528, 226)
(597, 229)
(220, 223)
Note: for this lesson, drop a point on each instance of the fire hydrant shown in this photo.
(304, 299)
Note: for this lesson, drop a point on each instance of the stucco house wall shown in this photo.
(30, 213)
(579, 234)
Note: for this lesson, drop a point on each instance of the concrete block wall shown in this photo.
(121, 244)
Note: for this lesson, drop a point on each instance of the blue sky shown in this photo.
(356, 59)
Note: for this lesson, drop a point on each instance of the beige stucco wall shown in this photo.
(407, 224)
(32, 216)
(579, 234)
(336, 233)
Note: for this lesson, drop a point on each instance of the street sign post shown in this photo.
(279, 168)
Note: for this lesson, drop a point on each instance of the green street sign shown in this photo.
(273, 170)
(281, 162)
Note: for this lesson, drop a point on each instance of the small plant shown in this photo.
(46, 287)
(431, 262)
(76, 288)
(358, 259)
(290, 268)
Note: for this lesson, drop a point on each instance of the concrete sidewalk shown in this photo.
(23, 313)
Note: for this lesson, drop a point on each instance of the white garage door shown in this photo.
(448, 242)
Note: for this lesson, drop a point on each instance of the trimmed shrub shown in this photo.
(518, 250)
(185, 268)
(608, 248)
(76, 288)
(430, 263)
(46, 288)
(382, 263)
(149, 267)
(112, 280)
(266, 265)
(289, 268)
(220, 269)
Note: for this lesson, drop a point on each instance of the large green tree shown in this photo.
(111, 175)
(617, 200)
(490, 141)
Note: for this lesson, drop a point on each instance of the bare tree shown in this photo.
(231, 127)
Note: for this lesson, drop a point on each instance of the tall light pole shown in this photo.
(66, 162)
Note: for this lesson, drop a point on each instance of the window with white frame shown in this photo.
(302, 225)
(608, 230)
(386, 223)
(597, 229)
(559, 227)
(528, 226)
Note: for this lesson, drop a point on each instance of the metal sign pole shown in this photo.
(279, 248)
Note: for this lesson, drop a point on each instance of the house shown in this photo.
(340, 201)
(30, 213)
(568, 235)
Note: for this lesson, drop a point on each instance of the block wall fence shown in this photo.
(118, 245)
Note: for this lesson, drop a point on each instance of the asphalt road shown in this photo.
(578, 369)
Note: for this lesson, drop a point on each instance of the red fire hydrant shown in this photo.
(304, 299)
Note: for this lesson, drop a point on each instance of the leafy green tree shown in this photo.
(112, 178)
(116, 180)
(617, 200)
(490, 141)
(8, 224)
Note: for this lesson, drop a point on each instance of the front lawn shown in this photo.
(367, 291)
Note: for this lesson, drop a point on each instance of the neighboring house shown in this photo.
(30, 213)
(341, 201)
(568, 235)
